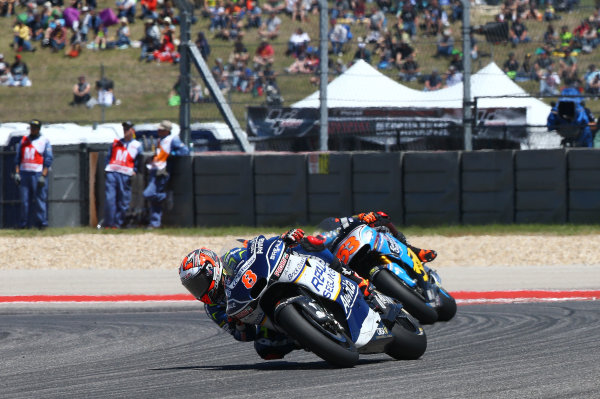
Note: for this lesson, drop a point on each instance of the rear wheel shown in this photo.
(410, 341)
(447, 309)
(330, 344)
(389, 284)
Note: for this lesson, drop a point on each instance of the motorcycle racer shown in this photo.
(382, 220)
(204, 274)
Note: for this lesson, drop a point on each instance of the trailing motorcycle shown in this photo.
(392, 267)
(296, 292)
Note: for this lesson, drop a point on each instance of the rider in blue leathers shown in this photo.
(32, 163)
(201, 272)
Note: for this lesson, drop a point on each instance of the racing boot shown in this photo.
(271, 345)
(425, 255)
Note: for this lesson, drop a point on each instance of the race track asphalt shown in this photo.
(526, 350)
(171, 350)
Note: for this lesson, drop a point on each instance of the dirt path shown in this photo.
(155, 251)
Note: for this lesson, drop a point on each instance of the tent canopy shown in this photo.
(362, 86)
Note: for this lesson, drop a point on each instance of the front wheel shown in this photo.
(335, 347)
(410, 341)
(447, 308)
(389, 284)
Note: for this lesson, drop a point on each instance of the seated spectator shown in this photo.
(401, 51)
(338, 36)
(593, 85)
(202, 44)
(148, 9)
(567, 65)
(445, 44)
(56, 36)
(299, 65)
(298, 42)
(4, 72)
(511, 66)
(518, 32)
(377, 25)
(126, 8)
(264, 54)
(550, 13)
(123, 36)
(37, 27)
(453, 77)
(433, 82)
(527, 70)
(541, 64)
(22, 37)
(217, 17)
(233, 28)
(270, 28)
(589, 76)
(565, 35)
(240, 53)
(81, 92)
(151, 40)
(254, 15)
(457, 60)
(435, 18)
(409, 18)
(105, 94)
(19, 73)
(274, 6)
(362, 53)
(167, 51)
(7, 8)
(409, 71)
(549, 82)
(75, 41)
(550, 36)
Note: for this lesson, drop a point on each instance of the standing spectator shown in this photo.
(433, 82)
(445, 44)
(122, 162)
(81, 92)
(32, 163)
(19, 73)
(22, 37)
(155, 192)
(270, 28)
(518, 32)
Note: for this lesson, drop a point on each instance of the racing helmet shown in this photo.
(201, 273)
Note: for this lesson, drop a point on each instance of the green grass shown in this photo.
(245, 232)
(143, 87)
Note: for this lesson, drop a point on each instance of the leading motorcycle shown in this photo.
(297, 293)
(392, 267)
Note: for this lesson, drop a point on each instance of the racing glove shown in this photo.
(17, 179)
(371, 217)
(293, 237)
(41, 181)
(427, 255)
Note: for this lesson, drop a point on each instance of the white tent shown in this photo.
(362, 86)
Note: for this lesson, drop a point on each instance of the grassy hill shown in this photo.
(143, 87)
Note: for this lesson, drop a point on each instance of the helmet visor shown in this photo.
(199, 285)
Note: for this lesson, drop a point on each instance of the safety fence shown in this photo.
(269, 189)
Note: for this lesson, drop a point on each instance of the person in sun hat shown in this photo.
(156, 191)
(32, 164)
(123, 161)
